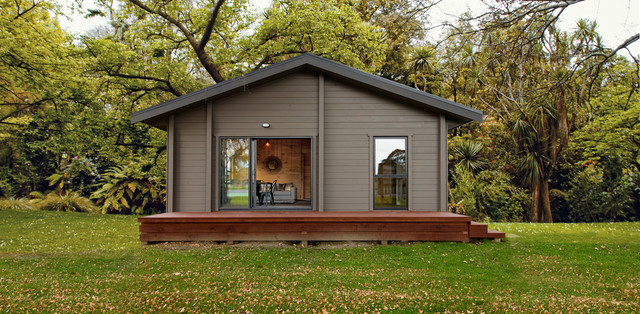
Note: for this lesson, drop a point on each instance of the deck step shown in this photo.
(477, 229)
(495, 234)
(480, 231)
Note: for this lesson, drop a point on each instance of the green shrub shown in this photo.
(80, 174)
(129, 190)
(71, 202)
(598, 196)
(501, 199)
(13, 203)
(489, 194)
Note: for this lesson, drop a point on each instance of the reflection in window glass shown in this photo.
(390, 173)
(235, 173)
(391, 157)
(390, 193)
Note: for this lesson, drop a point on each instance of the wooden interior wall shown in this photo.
(295, 167)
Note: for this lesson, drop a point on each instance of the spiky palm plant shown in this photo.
(423, 61)
(470, 156)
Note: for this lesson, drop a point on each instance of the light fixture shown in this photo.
(266, 125)
(267, 145)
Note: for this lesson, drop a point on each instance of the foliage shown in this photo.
(69, 202)
(561, 114)
(425, 66)
(594, 198)
(128, 190)
(469, 153)
(402, 23)
(79, 175)
(326, 28)
(35, 60)
(524, 74)
(15, 204)
(86, 262)
(602, 165)
(488, 195)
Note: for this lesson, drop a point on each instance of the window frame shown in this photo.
(376, 176)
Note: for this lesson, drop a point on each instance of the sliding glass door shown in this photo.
(235, 185)
(277, 170)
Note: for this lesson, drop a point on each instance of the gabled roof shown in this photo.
(453, 111)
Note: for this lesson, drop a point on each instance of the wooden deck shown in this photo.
(312, 226)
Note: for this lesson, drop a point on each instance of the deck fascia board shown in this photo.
(311, 226)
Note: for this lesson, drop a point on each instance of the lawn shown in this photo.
(61, 262)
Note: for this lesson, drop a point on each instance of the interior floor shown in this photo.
(298, 204)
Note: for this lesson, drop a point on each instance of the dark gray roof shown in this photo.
(306, 61)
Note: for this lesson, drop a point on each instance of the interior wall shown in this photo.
(294, 167)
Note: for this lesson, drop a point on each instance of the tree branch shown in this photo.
(206, 62)
(35, 5)
(212, 21)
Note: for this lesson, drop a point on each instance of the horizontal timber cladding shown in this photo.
(352, 115)
(190, 160)
(288, 104)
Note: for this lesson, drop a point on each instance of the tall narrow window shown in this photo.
(390, 173)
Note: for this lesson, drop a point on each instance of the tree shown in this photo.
(35, 60)
(403, 22)
(162, 49)
(330, 29)
(527, 76)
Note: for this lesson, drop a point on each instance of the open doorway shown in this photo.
(285, 164)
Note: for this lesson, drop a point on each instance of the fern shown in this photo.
(127, 191)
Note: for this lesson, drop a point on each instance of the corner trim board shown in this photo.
(170, 161)
(320, 190)
(443, 164)
(209, 160)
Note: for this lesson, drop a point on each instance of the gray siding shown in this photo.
(352, 116)
(189, 181)
(289, 104)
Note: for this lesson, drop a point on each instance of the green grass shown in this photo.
(61, 262)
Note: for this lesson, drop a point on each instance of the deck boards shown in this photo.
(311, 226)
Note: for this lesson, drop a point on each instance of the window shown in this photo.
(390, 173)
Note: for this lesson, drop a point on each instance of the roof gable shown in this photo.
(452, 110)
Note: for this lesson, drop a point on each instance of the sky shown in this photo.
(617, 19)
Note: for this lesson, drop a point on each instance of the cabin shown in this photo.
(308, 149)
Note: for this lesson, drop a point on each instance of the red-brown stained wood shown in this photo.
(480, 231)
(311, 226)
(304, 226)
(477, 229)
(291, 216)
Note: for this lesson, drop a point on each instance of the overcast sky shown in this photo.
(617, 19)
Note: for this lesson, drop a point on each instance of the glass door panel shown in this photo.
(235, 173)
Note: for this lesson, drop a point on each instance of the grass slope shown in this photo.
(60, 262)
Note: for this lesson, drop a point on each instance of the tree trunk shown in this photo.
(545, 202)
(534, 202)
(540, 202)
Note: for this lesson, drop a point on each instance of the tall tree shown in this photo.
(35, 58)
(162, 49)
